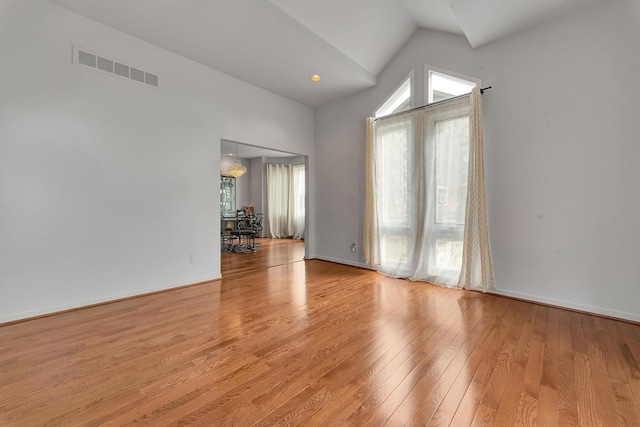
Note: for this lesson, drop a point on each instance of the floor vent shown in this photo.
(120, 69)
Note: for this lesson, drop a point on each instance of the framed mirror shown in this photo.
(227, 196)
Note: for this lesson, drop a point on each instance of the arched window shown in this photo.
(399, 100)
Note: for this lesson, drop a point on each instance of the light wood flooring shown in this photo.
(283, 341)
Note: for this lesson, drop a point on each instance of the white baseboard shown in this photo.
(84, 303)
(341, 261)
(527, 297)
(92, 301)
(570, 305)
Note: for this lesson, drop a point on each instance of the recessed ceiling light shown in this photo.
(315, 78)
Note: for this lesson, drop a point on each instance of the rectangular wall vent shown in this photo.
(122, 70)
(101, 63)
(86, 58)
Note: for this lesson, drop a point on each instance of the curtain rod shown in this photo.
(482, 90)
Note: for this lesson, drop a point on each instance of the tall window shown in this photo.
(421, 173)
(450, 140)
(425, 211)
(394, 190)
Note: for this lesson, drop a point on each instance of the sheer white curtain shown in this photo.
(286, 200)
(417, 182)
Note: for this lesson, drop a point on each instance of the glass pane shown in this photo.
(394, 248)
(394, 172)
(449, 255)
(399, 100)
(452, 168)
(443, 87)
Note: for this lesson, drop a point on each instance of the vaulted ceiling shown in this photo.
(278, 44)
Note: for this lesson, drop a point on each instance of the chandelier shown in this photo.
(236, 169)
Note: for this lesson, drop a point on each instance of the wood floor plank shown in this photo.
(526, 410)
(509, 369)
(624, 396)
(588, 413)
(548, 397)
(284, 341)
(567, 392)
(506, 409)
(484, 417)
(619, 348)
(604, 394)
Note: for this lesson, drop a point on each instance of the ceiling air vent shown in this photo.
(101, 63)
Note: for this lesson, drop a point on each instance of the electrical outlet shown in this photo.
(353, 247)
(192, 258)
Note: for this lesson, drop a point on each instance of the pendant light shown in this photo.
(236, 169)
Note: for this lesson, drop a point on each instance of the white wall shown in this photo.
(561, 154)
(107, 186)
(257, 187)
(243, 184)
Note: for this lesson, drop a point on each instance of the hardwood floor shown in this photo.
(271, 253)
(282, 341)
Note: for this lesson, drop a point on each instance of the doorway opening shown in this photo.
(283, 203)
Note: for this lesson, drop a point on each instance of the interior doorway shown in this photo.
(250, 190)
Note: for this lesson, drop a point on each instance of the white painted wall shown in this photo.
(561, 154)
(244, 187)
(257, 187)
(107, 186)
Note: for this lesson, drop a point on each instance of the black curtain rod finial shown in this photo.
(483, 89)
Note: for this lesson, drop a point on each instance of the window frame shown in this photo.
(440, 231)
(451, 232)
(400, 228)
(458, 76)
(393, 96)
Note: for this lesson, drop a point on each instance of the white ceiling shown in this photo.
(278, 44)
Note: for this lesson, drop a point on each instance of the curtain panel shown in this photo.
(286, 200)
(477, 266)
(370, 236)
